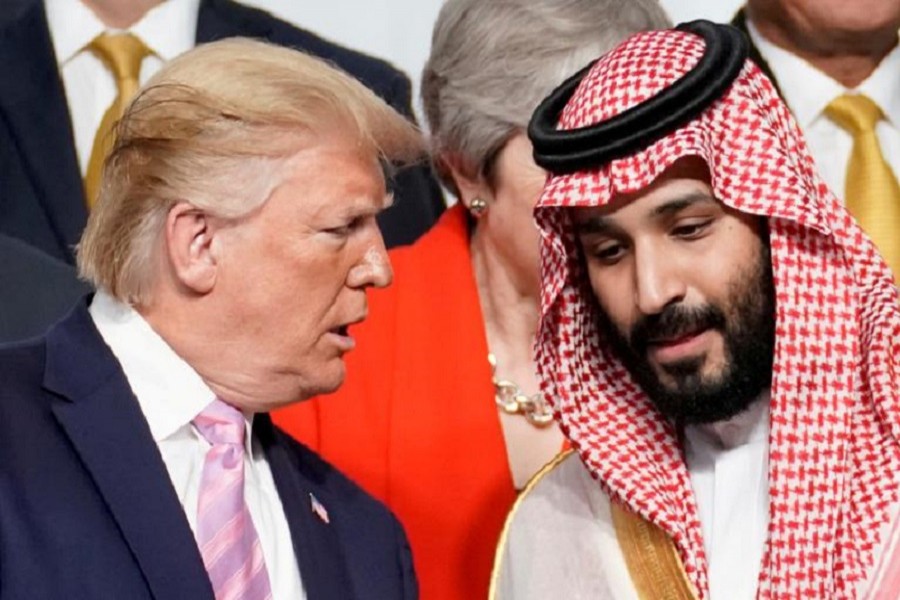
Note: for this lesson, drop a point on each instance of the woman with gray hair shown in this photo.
(441, 415)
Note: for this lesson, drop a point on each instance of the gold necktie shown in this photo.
(872, 193)
(123, 54)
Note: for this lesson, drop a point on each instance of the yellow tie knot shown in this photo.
(122, 53)
(854, 112)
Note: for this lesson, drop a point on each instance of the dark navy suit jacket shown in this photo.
(35, 290)
(41, 193)
(87, 509)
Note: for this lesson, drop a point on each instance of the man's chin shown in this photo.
(326, 382)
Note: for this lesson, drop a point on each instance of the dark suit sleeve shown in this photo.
(35, 290)
(405, 563)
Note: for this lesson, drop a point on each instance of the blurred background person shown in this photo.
(70, 67)
(35, 290)
(837, 66)
(441, 416)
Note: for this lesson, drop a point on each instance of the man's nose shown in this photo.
(658, 280)
(374, 268)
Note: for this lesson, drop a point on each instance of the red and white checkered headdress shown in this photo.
(834, 472)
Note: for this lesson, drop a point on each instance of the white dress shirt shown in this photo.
(729, 467)
(807, 91)
(170, 394)
(168, 29)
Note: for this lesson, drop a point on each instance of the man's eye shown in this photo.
(691, 230)
(608, 253)
(345, 230)
(339, 231)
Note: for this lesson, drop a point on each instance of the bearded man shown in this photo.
(718, 340)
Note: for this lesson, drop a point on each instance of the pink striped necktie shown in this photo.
(225, 533)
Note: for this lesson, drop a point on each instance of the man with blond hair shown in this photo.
(232, 246)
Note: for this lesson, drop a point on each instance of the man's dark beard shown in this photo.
(748, 329)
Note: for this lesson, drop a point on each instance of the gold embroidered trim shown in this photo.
(651, 557)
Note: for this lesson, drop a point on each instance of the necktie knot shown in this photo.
(856, 113)
(221, 423)
(122, 53)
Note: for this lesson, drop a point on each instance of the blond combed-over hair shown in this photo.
(215, 128)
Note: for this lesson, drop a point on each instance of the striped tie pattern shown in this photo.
(227, 539)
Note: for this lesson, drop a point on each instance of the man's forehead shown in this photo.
(684, 184)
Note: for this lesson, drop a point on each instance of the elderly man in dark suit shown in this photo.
(836, 64)
(58, 85)
(232, 247)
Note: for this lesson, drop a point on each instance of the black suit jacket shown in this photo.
(35, 290)
(41, 194)
(87, 508)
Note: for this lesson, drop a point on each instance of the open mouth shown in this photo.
(343, 330)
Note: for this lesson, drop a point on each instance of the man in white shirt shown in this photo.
(717, 340)
(816, 51)
(232, 247)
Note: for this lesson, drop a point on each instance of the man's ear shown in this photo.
(189, 241)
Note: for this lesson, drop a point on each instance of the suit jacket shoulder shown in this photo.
(35, 290)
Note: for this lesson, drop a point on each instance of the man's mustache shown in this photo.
(673, 322)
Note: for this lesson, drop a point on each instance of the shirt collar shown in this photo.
(169, 391)
(883, 86)
(168, 29)
(807, 90)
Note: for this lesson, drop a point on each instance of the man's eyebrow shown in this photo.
(361, 209)
(594, 225)
(678, 204)
(600, 224)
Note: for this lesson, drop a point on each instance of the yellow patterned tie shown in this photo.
(123, 54)
(872, 194)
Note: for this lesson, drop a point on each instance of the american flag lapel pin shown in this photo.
(318, 509)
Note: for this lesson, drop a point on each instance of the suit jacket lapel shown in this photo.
(316, 544)
(220, 19)
(102, 419)
(34, 101)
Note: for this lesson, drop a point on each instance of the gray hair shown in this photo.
(493, 61)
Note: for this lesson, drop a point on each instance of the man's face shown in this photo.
(824, 25)
(293, 275)
(685, 289)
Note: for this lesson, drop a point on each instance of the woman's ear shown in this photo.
(189, 244)
(468, 182)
